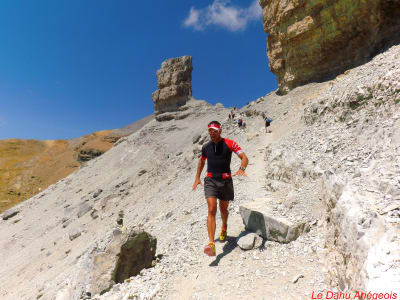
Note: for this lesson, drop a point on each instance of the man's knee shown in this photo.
(212, 206)
(223, 207)
(224, 210)
(212, 210)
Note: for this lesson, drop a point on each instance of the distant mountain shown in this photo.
(30, 166)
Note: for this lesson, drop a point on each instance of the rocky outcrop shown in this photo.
(315, 40)
(126, 255)
(88, 154)
(174, 84)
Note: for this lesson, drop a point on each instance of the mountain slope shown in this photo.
(30, 166)
(330, 161)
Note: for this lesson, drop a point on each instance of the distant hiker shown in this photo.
(267, 124)
(230, 116)
(218, 182)
(240, 122)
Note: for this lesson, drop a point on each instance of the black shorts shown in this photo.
(219, 188)
(267, 124)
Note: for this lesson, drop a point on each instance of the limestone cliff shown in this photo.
(315, 40)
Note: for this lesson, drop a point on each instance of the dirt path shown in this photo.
(265, 273)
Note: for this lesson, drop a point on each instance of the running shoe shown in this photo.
(210, 249)
(222, 235)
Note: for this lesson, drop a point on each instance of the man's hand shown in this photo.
(197, 181)
(240, 172)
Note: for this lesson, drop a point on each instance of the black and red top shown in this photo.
(219, 157)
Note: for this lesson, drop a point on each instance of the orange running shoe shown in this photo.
(210, 249)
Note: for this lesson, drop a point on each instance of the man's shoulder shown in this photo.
(232, 145)
(228, 141)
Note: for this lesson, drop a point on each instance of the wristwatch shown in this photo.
(242, 168)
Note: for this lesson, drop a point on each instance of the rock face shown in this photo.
(314, 40)
(174, 84)
(86, 155)
(126, 255)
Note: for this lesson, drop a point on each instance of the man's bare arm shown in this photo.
(245, 162)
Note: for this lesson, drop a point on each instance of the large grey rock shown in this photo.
(258, 218)
(126, 255)
(174, 85)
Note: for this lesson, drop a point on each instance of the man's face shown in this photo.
(215, 135)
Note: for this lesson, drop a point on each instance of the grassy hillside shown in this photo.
(29, 166)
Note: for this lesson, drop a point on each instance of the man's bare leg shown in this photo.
(212, 211)
(223, 208)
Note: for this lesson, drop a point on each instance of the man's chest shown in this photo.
(218, 151)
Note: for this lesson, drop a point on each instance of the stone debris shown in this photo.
(94, 214)
(120, 219)
(73, 234)
(97, 193)
(141, 172)
(295, 279)
(84, 208)
(8, 214)
(65, 222)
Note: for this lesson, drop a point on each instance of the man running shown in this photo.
(218, 183)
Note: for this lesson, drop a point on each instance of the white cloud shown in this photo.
(193, 19)
(254, 11)
(221, 13)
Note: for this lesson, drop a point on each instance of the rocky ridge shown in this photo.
(315, 40)
(330, 162)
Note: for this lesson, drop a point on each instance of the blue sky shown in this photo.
(72, 67)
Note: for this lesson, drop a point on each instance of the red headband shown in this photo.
(214, 126)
